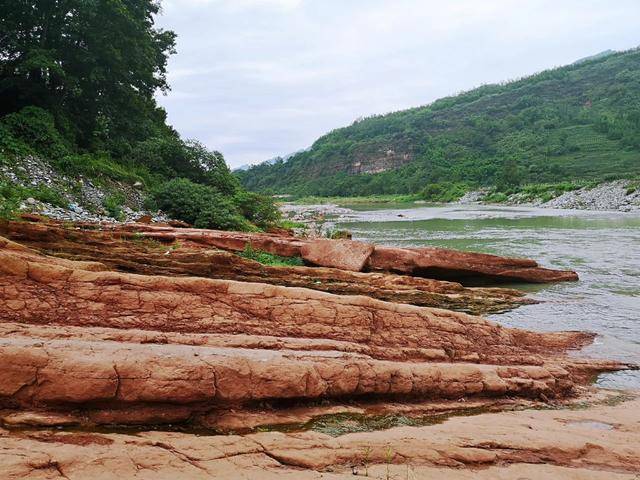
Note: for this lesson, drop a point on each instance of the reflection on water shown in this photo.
(603, 247)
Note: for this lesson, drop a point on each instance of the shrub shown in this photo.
(9, 200)
(443, 192)
(222, 215)
(113, 205)
(259, 209)
(184, 200)
(200, 205)
(33, 129)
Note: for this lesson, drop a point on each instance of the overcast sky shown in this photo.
(260, 78)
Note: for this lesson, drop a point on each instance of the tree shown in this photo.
(93, 64)
(509, 176)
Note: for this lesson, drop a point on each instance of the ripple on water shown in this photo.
(603, 247)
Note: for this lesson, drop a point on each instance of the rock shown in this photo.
(341, 254)
(62, 292)
(137, 185)
(505, 446)
(465, 267)
(197, 260)
(31, 201)
(438, 263)
(89, 348)
(144, 219)
(178, 224)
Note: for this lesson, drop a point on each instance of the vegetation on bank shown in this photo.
(575, 123)
(370, 199)
(270, 259)
(77, 86)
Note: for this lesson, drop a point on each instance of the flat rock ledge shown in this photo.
(119, 251)
(436, 263)
(112, 374)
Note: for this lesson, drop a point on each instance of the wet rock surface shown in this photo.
(142, 364)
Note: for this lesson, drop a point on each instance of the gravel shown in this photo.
(618, 195)
(85, 198)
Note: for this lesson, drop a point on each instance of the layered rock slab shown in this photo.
(150, 258)
(436, 263)
(37, 291)
(559, 444)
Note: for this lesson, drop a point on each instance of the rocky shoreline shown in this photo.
(150, 351)
(619, 195)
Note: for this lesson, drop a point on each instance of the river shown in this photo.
(603, 247)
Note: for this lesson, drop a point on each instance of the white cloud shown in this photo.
(260, 78)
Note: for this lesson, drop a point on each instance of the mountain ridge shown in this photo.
(576, 122)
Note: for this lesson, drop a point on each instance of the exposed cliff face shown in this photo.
(377, 161)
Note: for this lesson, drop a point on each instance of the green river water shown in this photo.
(603, 247)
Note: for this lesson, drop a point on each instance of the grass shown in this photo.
(290, 224)
(314, 200)
(12, 195)
(270, 259)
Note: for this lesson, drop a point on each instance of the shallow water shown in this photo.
(603, 247)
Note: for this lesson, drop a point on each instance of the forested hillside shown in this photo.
(77, 85)
(578, 122)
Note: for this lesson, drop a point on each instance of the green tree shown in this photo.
(509, 176)
(94, 64)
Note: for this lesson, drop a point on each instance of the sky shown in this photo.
(256, 79)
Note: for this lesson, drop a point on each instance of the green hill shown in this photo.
(580, 122)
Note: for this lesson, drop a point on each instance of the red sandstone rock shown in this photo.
(150, 258)
(38, 291)
(83, 346)
(341, 254)
(452, 264)
(424, 262)
(546, 444)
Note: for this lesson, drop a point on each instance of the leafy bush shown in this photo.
(9, 200)
(443, 192)
(12, 195)
(184, 200)
(270, 259)
(259, 209)
(222, 215)
(113, 205)
(32, 130)
(200, 205)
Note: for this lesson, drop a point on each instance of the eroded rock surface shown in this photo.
(435, 263)
(152, 258)
(558, 444)
(87, 345)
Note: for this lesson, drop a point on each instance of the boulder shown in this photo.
(341, 254)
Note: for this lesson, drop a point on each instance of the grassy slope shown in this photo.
(579, 122)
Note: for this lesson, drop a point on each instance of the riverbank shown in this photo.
(200, 363)
(618, 195)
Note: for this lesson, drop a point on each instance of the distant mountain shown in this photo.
(581, 121)
(597, 56)
(271, 161)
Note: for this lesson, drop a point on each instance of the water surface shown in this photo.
(603, 247)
